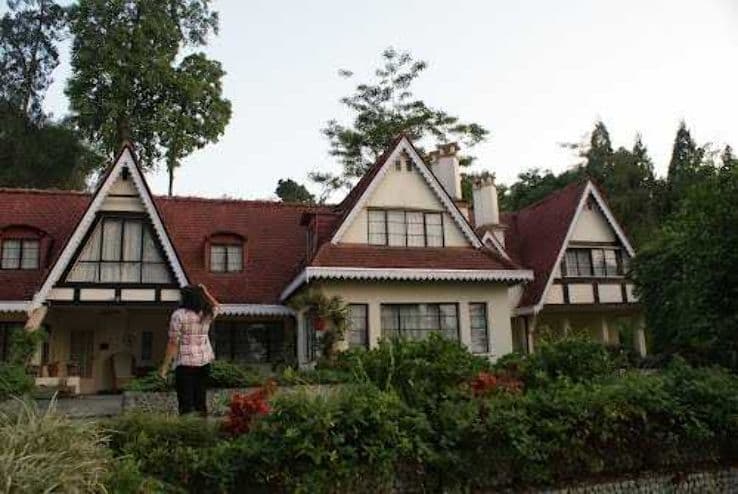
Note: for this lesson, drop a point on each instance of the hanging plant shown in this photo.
(329, 316)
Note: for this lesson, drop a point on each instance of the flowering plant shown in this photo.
(246, 407)
(486, 383)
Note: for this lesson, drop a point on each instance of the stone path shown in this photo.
(92, 406)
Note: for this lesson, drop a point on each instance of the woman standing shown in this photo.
(189, 344)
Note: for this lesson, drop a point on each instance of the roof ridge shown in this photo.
(551, 195)
(39, 191)
(256, 202)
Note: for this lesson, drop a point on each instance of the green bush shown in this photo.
(224, 374)
(14, 381)
(419, 371)
(291, 376)
(43, 452)
(151, 382)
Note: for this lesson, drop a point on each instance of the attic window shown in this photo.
(20, 254)
(226, 258)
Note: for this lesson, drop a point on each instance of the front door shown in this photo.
(81, 348)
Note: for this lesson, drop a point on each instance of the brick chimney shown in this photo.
(445, 166)
(486, 207)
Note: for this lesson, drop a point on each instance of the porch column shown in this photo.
(566, 326)
(531, 332)
(604, 330)
(301, 337)
(639, 337)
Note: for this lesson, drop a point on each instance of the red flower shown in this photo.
(485, 383)
(245, 408)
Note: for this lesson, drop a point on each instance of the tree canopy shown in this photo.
(290, 191)
(383, 109)
(130, 82)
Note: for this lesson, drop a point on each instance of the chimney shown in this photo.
(486, 207)
(445, 166)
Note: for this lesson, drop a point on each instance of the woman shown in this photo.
(189, 344)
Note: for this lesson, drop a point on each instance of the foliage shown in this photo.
(247, 407)
(41, 451)
(151, 382)
(131, 81)
(43, 154)
(419, 371)
(330, 318)
(224, 374)
(383, 109)
(319, 375)
(686, 168)
(29, 33)
(687, 277)
(290, 191)
(23, 345)
(14, 381)
(533, 185)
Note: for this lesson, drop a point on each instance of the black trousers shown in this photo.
(192, 386)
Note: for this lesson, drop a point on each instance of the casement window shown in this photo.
(401, 228)
(120, 250)
(358, 331)
(247, 342)
(479, 330)
(417, 321)
(19, 254)
(226, 258)
(599, 263)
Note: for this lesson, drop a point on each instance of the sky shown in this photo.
(536, 73)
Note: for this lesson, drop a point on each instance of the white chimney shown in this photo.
(486, 207)
(445, 166)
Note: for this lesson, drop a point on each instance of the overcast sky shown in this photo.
(536, 73)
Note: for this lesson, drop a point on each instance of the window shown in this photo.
(602, 263)
(20, 254)
(247, 342)
(416, 321)
(81, 348)
(6, 336)
(226, 258)
(399, 228)
(147, 346)
(479, 332)
(358, 334)
(120, 250)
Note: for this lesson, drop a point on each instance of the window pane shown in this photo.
(478, 323)
(624, 262)
(130, 272)
(598, 262)
(449, 321)
(84, 272)
(152, 272)
(110, 272)
(415, 229)
(30, 254)
(11, 254)
(357, 335)
(132, 231)
(218, 258)
(584, 262)
(396, 228)
(111, 240)
(147, 345)
(434, 230)
(150, 251)
(377, 228)
(572, 269)
(91, 251)
(611, 263)
(416, 321)
(235, 257)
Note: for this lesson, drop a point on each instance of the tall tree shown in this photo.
(290, 191)
(535, 184)
(382, 109)
(685, 169)
(688, 275)
(599, 155)
(29, 34)
(126, 83)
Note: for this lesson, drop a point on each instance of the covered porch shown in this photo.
(619, 324)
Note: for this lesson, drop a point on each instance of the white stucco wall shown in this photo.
(374, 294)
(404, 190)
(129, 204)
(592, 226)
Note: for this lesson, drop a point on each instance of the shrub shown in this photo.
(224, 374)
(43, 452)
(14, 381)
(151, 382)
(351, 442)
(418, 371)
(319, 375)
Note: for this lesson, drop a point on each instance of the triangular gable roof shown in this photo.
(537, 236)
(125, 160)
(357, 198)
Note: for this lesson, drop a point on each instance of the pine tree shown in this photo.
(685, 169)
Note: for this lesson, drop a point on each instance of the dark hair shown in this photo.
(195, 300)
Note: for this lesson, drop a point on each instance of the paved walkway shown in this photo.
(92, 406)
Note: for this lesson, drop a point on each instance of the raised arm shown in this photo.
(213, 301)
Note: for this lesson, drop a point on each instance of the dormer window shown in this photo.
(596, 262)
(405, 228)
(226, 258)
(20, 253)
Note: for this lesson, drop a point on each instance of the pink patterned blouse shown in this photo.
(190, 332)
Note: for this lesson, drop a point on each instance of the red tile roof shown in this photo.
(535, 234)
(370, 256)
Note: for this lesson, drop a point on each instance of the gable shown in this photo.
(123, 191)
(378, 187)
(408, 190)
(592, 226)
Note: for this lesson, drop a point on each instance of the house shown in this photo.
(100, 271)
